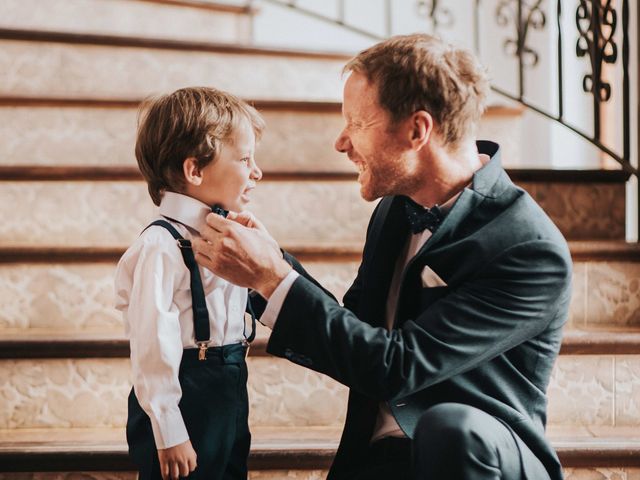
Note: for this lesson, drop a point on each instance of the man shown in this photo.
(449, 332)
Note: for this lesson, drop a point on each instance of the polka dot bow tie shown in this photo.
(420, 218)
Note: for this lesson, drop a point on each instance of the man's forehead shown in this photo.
(360, 93)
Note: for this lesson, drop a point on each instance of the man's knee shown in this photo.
(455, 439)
(450, 427)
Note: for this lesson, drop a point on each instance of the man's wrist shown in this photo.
(273, 278)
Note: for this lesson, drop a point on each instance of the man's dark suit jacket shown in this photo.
(488, 339)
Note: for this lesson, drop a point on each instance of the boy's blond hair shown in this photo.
(421, 72)
(190, 122)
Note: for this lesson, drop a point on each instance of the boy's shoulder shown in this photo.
(154, 239)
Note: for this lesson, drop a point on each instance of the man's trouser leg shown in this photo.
(459, 442)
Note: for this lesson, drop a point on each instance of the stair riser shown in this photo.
(80, 297)
(87, 71)
(586, 390)
(113, 214)
(570, 474)
(104, 214)
(294, 140)
(128, 18)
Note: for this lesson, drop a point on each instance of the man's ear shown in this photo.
(420, 127)
(192, 172)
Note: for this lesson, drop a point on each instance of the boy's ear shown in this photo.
(192, 172)
(420, 128)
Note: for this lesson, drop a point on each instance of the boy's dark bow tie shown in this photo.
(420, 218)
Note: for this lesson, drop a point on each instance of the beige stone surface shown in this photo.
(298, 141)
(84, 393)
(578, 309)
(86, 71)
(585, 391)
(570, 474)
(628, 392)
(65, 296)
(587, 211)
(602, 473)
(613, 293)
(80, 297)
(581, 391)
(70, 476)
(113, 213)
(126, 17)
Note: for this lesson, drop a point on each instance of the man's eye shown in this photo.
(245, 159)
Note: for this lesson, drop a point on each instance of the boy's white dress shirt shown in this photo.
(153, 292)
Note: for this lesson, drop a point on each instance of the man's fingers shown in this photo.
(217, 222)
(175, 470)
(193, 463)
(184, 468)
(164, 470)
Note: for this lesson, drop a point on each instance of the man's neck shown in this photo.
(448, 174)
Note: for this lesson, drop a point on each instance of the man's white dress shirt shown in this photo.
(153, 292)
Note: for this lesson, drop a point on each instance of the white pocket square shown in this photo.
(431, 279)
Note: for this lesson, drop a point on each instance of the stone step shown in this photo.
(586, 390)
(72, 289)
(193, 20)
(327, 212)
(100, 133)
(69, 65)
(60, 343)
(275, 453)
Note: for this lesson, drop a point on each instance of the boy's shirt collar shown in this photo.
(184, 209)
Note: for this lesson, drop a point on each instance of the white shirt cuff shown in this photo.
(169, 430)
(274, 305)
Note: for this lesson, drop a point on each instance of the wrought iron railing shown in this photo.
(603, 37)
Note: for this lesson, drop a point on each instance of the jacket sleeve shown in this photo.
(511, 299)
(259, 303)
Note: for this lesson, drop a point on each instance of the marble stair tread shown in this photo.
(581, 250)
(94, 138)
(81, 449)
(103, 343)
(193, 20)
(69, 64)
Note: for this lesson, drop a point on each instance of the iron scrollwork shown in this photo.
(597, 25)
(432, 9)
(525, 16)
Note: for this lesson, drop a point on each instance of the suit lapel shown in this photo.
(386, 242)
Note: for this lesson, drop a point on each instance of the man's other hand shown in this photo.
(240, 250)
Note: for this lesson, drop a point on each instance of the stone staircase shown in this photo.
(71, 200)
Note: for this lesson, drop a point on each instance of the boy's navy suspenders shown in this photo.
(200, 311)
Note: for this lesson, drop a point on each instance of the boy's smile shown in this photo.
(229, 179)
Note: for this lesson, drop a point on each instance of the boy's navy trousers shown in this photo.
(215, 409)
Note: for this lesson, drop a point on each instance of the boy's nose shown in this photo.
(256, 173)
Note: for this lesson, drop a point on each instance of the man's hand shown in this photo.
(178, 461)
(244, 255)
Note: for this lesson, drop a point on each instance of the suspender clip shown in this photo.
(183, 243)
(247, 346)
(202, 350)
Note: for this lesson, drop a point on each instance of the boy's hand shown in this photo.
(178, 461)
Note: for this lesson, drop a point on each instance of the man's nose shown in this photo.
(342, 142)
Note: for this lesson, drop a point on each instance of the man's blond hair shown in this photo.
(190, 122)
(421, 72)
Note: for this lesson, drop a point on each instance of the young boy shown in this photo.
(188, 409)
